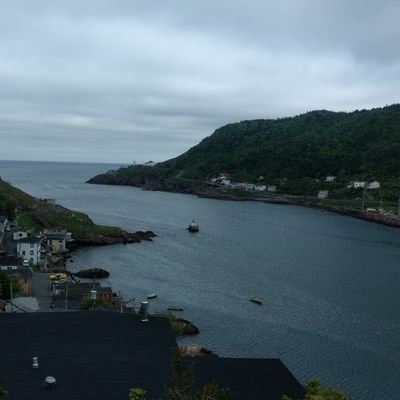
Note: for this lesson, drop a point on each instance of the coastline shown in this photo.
(105, 240)
(388, 219)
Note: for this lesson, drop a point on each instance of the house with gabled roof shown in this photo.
(102, 355)
(30, 249)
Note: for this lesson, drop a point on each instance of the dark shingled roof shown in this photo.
(92, 355)
(96, 356)
(250, 378)
(30, 239)
(8, 261)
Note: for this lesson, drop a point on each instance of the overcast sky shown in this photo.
(124, 80)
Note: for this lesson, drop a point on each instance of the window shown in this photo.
(31, 252)
(31, 259)
(32, 245)
(23, 252)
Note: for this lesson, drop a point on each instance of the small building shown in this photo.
(249, 186)
(8, 263)
(224, 175)
(271, 188)
(17, 235)
(357, 184)
(57, 240)
(76, 292)
(260, 188)
(330, 178)
(323, 194)
(150, 163)
(29, 248)
(373, 185)
(104, 293)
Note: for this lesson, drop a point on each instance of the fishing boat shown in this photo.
(151, 296)
(193, 226)
(174, 308)
(255, 300)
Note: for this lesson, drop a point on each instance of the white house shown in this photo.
(17, 235)
(248, 186)
(331, 178)
(323, 194)
(374, 185)
(356, 184)
(359, 184)
(29, 249)
(260, 188)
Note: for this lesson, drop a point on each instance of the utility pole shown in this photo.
(11, 297)
(66, 296)
(398, 208)
(363, 196)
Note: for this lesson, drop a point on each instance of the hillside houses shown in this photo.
(224, 180)
(362, 184)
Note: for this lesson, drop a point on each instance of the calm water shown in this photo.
(330, 284)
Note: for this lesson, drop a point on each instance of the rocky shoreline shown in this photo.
(104, 240)
(58, 260)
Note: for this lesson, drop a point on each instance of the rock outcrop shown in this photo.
(195, 350)
(103, 239)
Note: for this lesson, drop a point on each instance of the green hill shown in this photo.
(31, 213)
(296, 154)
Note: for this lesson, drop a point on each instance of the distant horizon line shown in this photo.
(70, 162)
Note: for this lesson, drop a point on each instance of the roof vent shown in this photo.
(144, 310)
(35, 363)
(49, 382)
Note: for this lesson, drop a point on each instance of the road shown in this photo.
(40, 290)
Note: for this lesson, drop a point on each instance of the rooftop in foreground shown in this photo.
(95, 355)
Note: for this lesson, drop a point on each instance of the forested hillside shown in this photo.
(296, 154)
(357, 144)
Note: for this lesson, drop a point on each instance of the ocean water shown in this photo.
(330, 284)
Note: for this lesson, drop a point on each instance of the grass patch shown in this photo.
(28, 222)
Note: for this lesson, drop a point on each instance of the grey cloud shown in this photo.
(122, 80)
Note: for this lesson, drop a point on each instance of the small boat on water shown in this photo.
(174, 308)
(256, 300)
(193, 226)
(151, 296)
